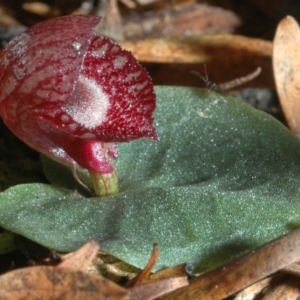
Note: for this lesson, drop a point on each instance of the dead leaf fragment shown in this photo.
(81, 258)
(286, 64)
(287, 288)
(172, 61)
(57, 283)
(155, 289)
(253, 290)
(242, 272)
(185, 20)
(183, 270)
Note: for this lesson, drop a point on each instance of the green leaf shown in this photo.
(223, 179)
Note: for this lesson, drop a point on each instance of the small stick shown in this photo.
(147, 270)
(240, 80)
(221, 88)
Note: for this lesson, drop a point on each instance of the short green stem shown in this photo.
(105, 184)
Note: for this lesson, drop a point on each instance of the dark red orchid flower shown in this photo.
(70, 93)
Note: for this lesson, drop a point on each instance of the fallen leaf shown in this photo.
(57, 283)
(286, 64)
(287, 288)
(223, 57)
(242, 272)
(253, 290)
(184, 20)
(176, 271)
(81, 258)
(155, 289)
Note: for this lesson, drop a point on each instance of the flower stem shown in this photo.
(105, 184)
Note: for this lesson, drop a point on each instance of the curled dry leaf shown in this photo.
(155, 289)
(81, 258)
(287, 288)
(226, 57)
(252, 291)
(286, 64)
(57, 283)
(182, 20)
(258, 264)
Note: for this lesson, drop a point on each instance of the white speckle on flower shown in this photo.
(73, 126)
(120, 61)
(141, 85)
(19, 72)
(115, 49)
(5, 61)
(19, 45)
(89, 103)
(76, 46)
(131, 88)
(133, 75)
(113, 91)
(105, 67)
(65, 118)
(101, 51)
(58, 152)
(89, 136)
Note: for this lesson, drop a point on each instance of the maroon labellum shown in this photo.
(70, 93)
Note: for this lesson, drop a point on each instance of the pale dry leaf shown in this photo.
(47, 283)
(182, 270)
(288, 288)
(155, 289)
(253, 290)
(82, 258)
(286, 64)
(180, 20)
(226, 57)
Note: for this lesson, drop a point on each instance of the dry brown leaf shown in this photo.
(81, 258)
(293, 269)
(253, 290)
(286, 64)
(155, 289)
(112, 268)
(172, 61)
(183, 270)
(57, 283)
(288, 288)
(278, 287)
(110, 24)
(242, 272)
(185, 20)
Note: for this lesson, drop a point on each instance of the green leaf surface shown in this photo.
(223, 179)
